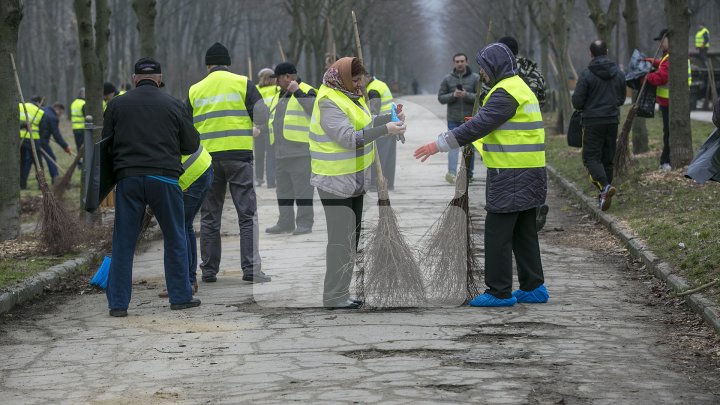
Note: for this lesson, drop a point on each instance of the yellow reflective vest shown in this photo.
(76, 114)
(700, 38)
(664, 91)
(270, 95)
(34, 116)
(519, 142)
(329, 158)
(219, 113)
(386, 96)
(194, 166)
(296, 124)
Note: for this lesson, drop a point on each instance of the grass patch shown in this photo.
(15, 270)
(676, 217)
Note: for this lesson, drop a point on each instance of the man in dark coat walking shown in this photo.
(599, 93)
(508, 132)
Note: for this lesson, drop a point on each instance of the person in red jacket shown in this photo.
(659, 79)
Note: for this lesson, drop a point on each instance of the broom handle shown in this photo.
(38, 170)
(282, 53)
(48, 157)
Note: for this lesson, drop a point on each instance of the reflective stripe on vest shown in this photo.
(219, 113)
(296, 124)
(700, 38)
(270, 95)
(664, 91)
(329, 158)
(386, 96)
(76, 114)
(34, 115)
(520, 142)
(194, 166)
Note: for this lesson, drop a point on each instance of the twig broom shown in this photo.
(58, 230)
(391, 276)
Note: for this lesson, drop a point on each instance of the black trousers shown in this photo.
(598, 152)
(293, 187)
(665, 155)
(505, 235)
(344, 218)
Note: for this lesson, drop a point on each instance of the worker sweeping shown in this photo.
(513, 149)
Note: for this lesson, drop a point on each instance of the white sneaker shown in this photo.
(665, 167)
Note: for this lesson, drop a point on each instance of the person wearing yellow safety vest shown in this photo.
(702, 41)
(508, 132)
(290, 123)
(660, 78)
(380, 100)
(264, 151)
(109, 92)
(224, 106)
(50, 127)
(342, 135)
(77, 117)
(30, 132)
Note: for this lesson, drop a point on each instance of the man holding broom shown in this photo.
(513, 149)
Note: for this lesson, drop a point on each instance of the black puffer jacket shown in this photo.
(599, 92)
(507, 190)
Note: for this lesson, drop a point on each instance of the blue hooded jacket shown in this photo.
(507, 190)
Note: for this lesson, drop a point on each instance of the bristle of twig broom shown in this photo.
(451, 270)
(61, 187)
(58, 230)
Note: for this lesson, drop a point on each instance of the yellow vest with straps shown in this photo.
(219, 113)
(386, 96)
(270, 95)
(519, 142)
(664, 91)
(34, 115)
(700, 38)
(329, 158)
(76, 114)
(194, 166)
(296, 124)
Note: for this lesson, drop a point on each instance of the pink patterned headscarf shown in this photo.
(339, 77)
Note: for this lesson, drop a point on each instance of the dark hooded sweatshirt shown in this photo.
(507, 190)
(599, 92)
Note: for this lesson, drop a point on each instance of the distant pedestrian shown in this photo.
(30, 123)
(50, 127)
(290, 122)
(599, 93)
(513, 149)
(342, 148)
(224, 106)
(77, 116)
(109, 92)
(264, 142)
(380, 100)
(150, 130)
(415, 86)
(457, 90)
(702, 41)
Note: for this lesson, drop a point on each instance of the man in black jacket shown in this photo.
(598, 94)
(150, 131)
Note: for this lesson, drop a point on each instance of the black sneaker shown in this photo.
(119, 313)
(257, 277)
(185, 305)
(606, 197)
(209, 279)
(276, 229)
(541, 217)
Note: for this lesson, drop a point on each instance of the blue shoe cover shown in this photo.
(537, 296)
(487, 300)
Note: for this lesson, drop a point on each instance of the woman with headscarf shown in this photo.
(342, 135)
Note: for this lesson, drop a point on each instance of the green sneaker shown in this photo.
(450, 177)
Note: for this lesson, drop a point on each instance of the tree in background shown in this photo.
(145, 12)
(11, 12)
(640, 142)
(678, 18)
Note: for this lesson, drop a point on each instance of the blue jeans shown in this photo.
(27, 161)
(52, 168)
(453, 154)
(193, 198)
(166, 200)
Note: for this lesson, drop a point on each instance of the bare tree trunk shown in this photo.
(11, 12)
(639, 129)
(604, 21)
(681, 150)
(145, 12)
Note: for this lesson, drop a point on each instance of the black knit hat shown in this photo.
(109, 88)
(284, 68)
(217, 55)
(511, 43)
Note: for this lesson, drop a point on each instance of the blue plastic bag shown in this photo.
(393, 113)
(100, 278)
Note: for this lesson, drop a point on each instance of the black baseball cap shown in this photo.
(147, 66)
(284, 68)
(663, 32)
